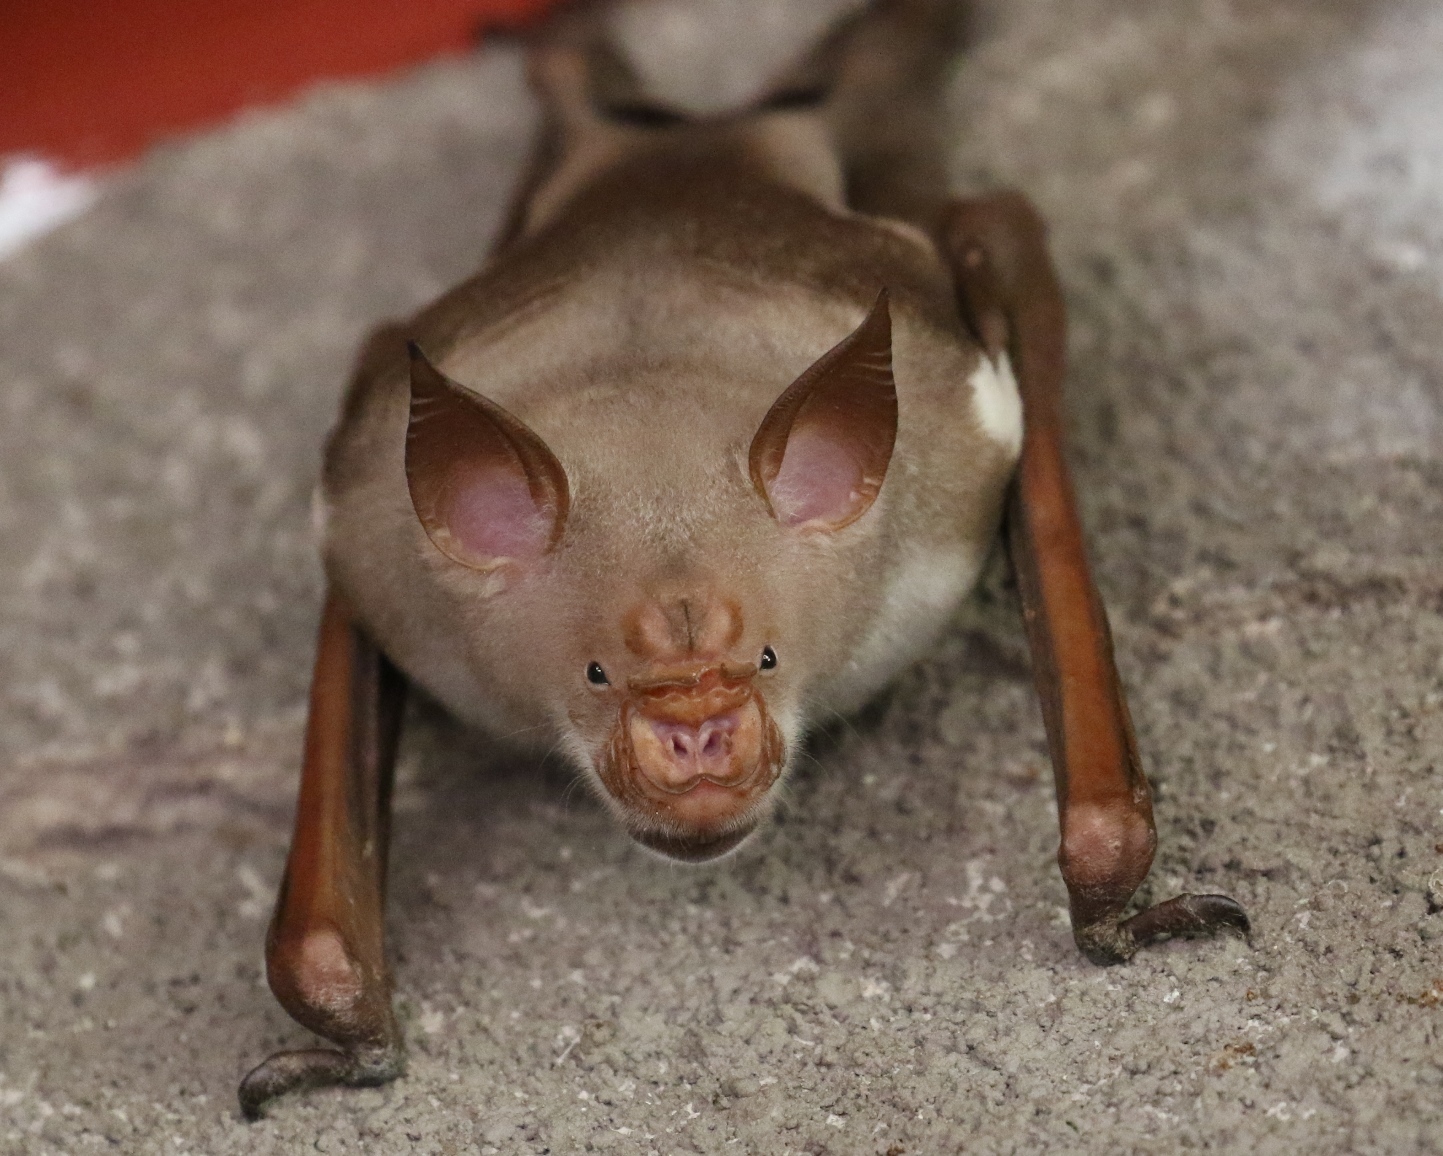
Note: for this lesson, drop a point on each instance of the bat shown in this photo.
(711, 448)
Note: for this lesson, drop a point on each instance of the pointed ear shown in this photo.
(486, 488)
(821, 453)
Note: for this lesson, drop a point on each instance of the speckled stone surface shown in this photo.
(1245, 200)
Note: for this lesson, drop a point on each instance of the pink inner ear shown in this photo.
(818, 481)
(491, 514)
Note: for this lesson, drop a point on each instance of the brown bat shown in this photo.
(712, 448)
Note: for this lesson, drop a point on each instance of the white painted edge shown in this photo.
(37, 197)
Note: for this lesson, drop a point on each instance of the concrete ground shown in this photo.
(1247, 199)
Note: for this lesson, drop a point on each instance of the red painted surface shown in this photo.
(91, 82)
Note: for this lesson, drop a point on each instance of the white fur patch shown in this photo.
(929, 584)
(997, 403)
(920, 599)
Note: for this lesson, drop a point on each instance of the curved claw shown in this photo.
(1189, 915)
(314, 1068)
(1113, 941)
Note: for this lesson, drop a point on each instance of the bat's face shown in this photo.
(666, 670)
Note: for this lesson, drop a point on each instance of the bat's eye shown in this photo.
(768, 659)
(596, 676)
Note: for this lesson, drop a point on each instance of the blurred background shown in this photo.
(85, 86)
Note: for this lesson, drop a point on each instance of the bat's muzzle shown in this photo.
(692, 759)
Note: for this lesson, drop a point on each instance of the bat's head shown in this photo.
(672, 650)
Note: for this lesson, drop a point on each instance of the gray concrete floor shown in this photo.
(1246, 200)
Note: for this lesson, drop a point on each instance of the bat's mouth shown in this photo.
(692, 758)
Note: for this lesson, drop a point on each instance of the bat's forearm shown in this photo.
(325, 955)
(1010, 296)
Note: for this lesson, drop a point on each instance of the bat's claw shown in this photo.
(315, 1068)
(1113, 941)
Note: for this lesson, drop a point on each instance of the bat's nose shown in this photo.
(691, 753)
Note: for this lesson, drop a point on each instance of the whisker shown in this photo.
(569, 790)
(524, 731)
(847, 724)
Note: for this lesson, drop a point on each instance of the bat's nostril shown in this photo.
(708, 742)
(692, 751)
